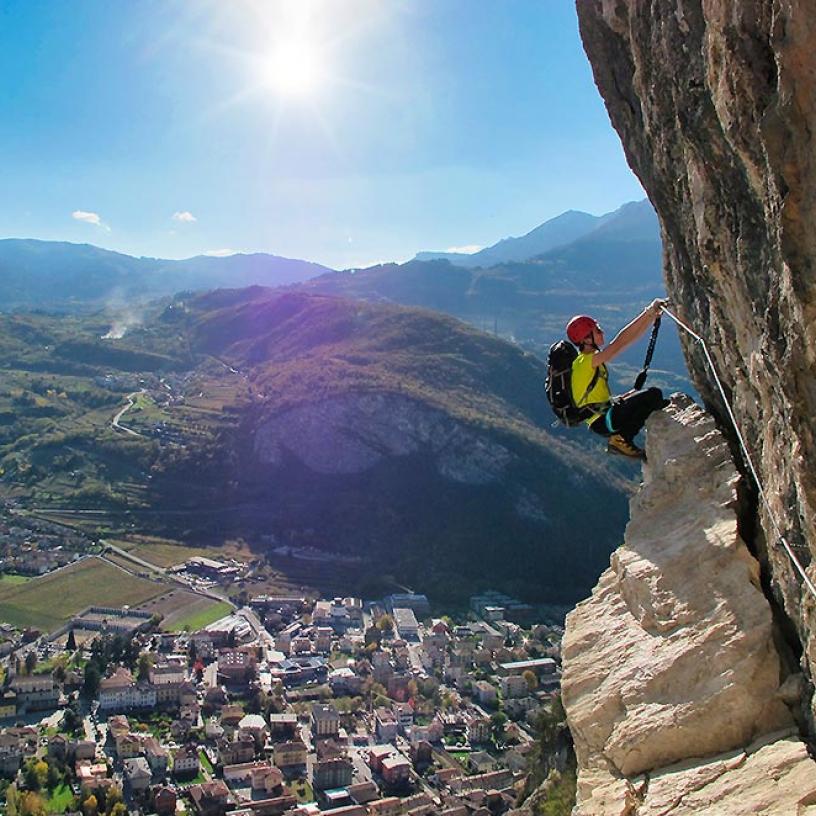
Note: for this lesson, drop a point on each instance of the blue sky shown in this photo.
(341, 131)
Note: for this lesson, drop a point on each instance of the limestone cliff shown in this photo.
(675, 693)
(715, 103)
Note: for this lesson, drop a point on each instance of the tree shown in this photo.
(145, 664)
(385, 624)
(119, 809)
(92, 678)
(12, 800)
(497, 723)
(31, 804)
(53, 776)
(531, 679)
(90, 806)
(30, 661)
(70, 644)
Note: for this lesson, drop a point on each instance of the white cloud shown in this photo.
(468, 249)
(186, 216)
(89, 218)
(221, 253)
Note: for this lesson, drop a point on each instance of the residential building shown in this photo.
(119, 692)
(35, 692)
(392, 806)
(478, 729)
(164, 801)
(331, 772)
(137, 774)
(283, 725)
(404, 712)
(514, 685)
(255, 725)
(396, 770)
(325, 721)
(156, 755)
(259, 776)
(290, 756)
(486, 693)
(186, 761)
(210, 799)
(234, 752)
(386, 724)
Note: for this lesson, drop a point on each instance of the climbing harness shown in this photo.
(641, 377)
(781, 538)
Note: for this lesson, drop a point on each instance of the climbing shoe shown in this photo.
(623, 447)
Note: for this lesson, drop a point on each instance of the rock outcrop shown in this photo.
(715, 103)
(351, 433)
(675, 693)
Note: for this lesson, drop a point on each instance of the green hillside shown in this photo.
(204, 378)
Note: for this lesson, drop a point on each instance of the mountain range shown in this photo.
(633, 221)
(63, 276)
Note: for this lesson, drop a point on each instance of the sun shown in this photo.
(294, 68)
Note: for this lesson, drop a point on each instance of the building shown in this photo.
(376, 755)
(396, 770)
(283, 725)
(514, 685)
(404, 713)
(331, 772)
(137, 773)
(234, 752)
(259, 776)
(540, 665)
(164, 801)
(290, 757)
(186, 761)
(237, 666)
(409, 600)
(325, 721)
(209, 799)
(35, 692)
(386, 725)
(478, 729)
(8, 705)
(406, 623)
(486, 693)
(156, 755)
(120, 693)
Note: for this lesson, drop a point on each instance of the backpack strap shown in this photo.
(592, 382)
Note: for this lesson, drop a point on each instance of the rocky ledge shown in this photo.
(675, 694)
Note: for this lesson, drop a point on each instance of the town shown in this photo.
(287, 705)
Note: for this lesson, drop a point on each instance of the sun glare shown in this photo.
(293, 69)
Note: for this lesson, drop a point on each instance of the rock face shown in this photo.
(715, 102)
(674, 691)
(351, 433)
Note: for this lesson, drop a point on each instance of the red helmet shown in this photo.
(580, 327)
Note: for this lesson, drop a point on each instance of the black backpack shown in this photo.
(558, 385)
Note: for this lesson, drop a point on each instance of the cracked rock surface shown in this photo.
(715, 103)
(671, 680)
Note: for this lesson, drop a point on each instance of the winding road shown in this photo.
(131, 398)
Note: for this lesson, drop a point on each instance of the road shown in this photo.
(131, 398)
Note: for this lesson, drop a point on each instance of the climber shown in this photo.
(618, 418)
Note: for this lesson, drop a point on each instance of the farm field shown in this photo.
(12, 579)
(180, 609)
(48, 602)
(165, 553)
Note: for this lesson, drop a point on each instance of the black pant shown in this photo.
(629, 413)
